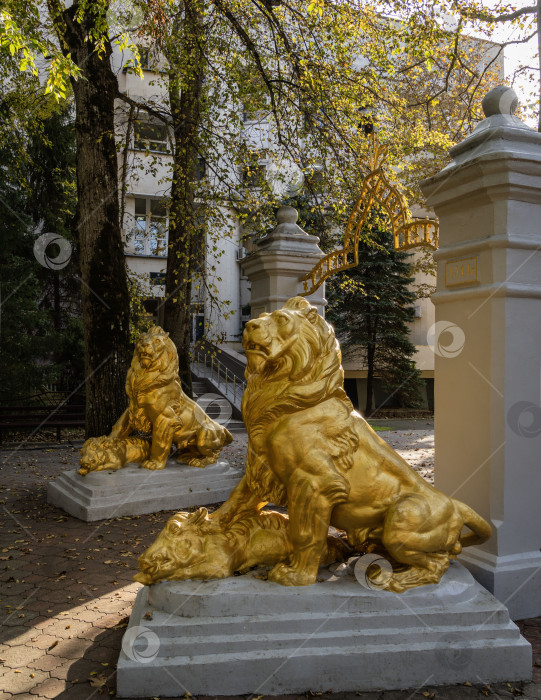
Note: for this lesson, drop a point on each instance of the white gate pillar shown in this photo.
(487, 342)
(280, 262)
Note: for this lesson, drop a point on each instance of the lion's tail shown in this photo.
(481, 530)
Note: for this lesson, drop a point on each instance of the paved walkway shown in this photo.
(67, 589)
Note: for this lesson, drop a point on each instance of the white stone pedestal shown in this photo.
(135, 491)
(487, 344)
(280, 262)
(243, 635)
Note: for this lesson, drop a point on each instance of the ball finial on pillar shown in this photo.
(287, 215)
(500, 100)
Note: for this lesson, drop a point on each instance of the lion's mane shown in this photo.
(97, 451)
(162, 371)
(306, 374)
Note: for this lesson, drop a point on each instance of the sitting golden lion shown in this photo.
(104, 453)
(193, 546)
(157, 404)
(310, 451)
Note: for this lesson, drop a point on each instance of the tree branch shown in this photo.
(488, 17)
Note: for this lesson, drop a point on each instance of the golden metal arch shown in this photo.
(407, 232)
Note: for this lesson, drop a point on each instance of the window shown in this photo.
(197, 324)
(157, 279)
(254, 170)
(150, 136)
(150, 228)
(201, 168)
(315, 181)
(149, 58)
(253, 95)
(145, 58)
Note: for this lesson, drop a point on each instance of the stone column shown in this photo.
(487, 344)
(281, 260)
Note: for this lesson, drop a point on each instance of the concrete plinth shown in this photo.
(135, 491)
(245, 635)
(487, 345)
(281, 260)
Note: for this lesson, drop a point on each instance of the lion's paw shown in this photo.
(288, 576)
(151, 464)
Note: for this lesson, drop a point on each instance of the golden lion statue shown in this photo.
(310, 451)
(105, 453)
(192, 545)
(158, 405)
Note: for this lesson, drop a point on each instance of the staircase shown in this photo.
(215, 405)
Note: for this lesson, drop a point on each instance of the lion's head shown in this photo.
(293, 363)
(99, 453)
(178, 553)
(156, 352)
(293, 342)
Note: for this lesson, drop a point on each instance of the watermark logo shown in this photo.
(52, 251)
(217, 407)
(125, 15)
(373, 571)
(524, 419)
(140, 644)
(454, 651)
(446, 339)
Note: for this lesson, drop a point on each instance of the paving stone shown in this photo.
(15, 657)
(43, 641)
(103, 654)
(77, 669)
(22, 682)
(80, 691)
(108, 621)
(41, 568)
(51, 688)
(87, 615)
(12, 635)
(91, 633)
(14, 619)
(71, 648)
(46, 662)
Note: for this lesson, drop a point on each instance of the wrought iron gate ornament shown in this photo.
(377, 189)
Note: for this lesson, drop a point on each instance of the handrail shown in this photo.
(218, 371)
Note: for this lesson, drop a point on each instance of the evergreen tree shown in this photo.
(41, 331)
(371, 309)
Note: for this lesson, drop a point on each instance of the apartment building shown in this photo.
(145, 161)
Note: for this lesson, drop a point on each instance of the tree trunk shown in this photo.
(105, 300)
(369, 381)
(370, 364)
(185, 244)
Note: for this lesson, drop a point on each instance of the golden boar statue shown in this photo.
(311, 452)
(157, 405)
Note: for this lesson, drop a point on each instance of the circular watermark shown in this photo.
(217, 407)
(52, 251)
(373, 571)
(140, 644)
(524, 419)
(446, 339)
(125, 15)
(453, 651)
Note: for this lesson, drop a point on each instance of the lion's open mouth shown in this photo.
(256, 347)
